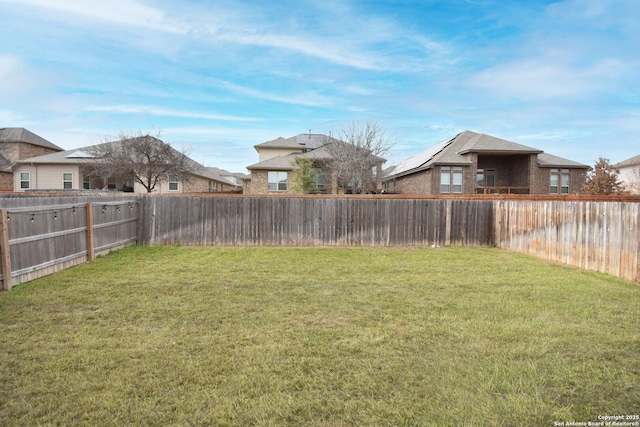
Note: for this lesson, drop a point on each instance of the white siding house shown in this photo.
(629, 174)
(69, 170)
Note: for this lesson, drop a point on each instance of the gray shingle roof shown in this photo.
(632, 161)
(276, 163)
(24, 135)
(452, 152)
(303, 141)
(287, 162)
(5, 164)
(82, 156)
(547, 160)
(481, 143)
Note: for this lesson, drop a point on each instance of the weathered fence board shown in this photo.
(315, 221)
(599, 236)
(42, 239)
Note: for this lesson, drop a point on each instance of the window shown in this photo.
(111, 183)
(559, 181)
(480, 178)
(173, 183)
(67, 180)
(318, 177)
(277, 180)
(25, 180)
(451, 179)
(491, 178)
(86, 182)
(486, 178)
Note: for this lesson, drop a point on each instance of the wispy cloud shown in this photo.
(122, 12)
(156, 111)
(8, 116)
(308, 98)
(546, 78)
(18, 77)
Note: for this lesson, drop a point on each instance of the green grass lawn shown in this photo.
(319, 336)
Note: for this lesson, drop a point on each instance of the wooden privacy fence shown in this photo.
(39, 240)
(599, 236)
(273, 221)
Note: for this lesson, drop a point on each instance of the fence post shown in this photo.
(5, 250)
(447, 227)
(90, 253)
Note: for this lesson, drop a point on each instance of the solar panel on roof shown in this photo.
(420, 158)
(80, 154)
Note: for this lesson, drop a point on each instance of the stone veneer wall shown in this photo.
(200, 184)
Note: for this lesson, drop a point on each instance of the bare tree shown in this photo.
(602, 178)
(143, 158)
(356, 155)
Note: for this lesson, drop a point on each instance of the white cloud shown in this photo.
(15, 76)
(547, 78)
(156, 111)
(8, 116)
(308, 98)
(326, 49)
(121, 12)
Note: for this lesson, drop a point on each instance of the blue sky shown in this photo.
(218, 77)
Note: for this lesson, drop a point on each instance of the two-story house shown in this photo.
(274, 172)
(17, 144)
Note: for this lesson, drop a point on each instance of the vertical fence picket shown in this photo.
(5, 251)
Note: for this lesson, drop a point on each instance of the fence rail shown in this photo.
(270, 221)
(39, 236)
(599, 236)
(40, 240)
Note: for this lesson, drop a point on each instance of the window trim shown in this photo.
(562, 183)
(111, 183)
(173, 180)
(319, 178)
(67, 181)
(280, 184)
(28, 180)
(454, 178)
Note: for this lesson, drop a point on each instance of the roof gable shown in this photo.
(455, 150)
(287, 162)
(85, 155)
(481, 143)
(632, 161)
(550, 161)
(309, 141)
(26, 136)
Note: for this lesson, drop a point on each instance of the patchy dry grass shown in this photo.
(349, 336)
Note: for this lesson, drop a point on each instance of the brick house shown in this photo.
(273, 174)
(474, 163)
(17, 144)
